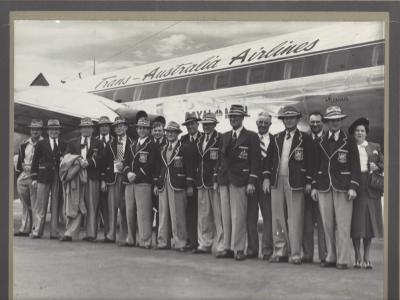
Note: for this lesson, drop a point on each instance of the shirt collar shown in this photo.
(238, 131)
(174, 143)
(194, 136)
(142, 140)
(30, 141)
(317, 135)
(336, 134)
(106, 136)
(363, 144)
(264, 136)
(83, 139)
(123, 138)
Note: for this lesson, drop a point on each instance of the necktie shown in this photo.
(314, 136)
(288, 135)
(55, 146)
(191, 139)
(206, 138)
(263, 148)
(103, 139)
(205, 142)
(234, 136)
(85, 142)
(170, 147)
(120, 149)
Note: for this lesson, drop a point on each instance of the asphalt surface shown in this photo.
(49, 269)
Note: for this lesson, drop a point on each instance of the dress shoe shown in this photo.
(54, 237)
(278, 259)
(367, 265)
(266, 256)
(182, 249)
(190, 246)
(145, 247)
(357, 264)
(252, 255)
(34, 236)
(296, 261)
(341, 266)
(327, 264)
(65, 238)
(199, 250)
(108, 241)
(122, 244)
(162, 248)
(19, 233)
(240, 256)
(88, 239)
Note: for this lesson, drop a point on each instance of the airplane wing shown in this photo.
(69, 106)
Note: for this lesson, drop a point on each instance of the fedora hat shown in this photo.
(189, 117)
(334, 113)
(86, 122)
(119, 120)
(36, 124)
(237, 110)
(173, 126)
(209, 118)
(53, 123)
(104, 120)
(289, 112)
(143, 122)
(360, 121)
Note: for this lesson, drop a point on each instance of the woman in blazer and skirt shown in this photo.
(367, 208)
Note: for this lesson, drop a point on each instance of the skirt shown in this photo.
(366, 220)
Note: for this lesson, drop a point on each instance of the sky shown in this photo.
(63, 49)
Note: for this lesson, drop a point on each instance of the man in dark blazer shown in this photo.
(26, 192)
(89, 150)
(335, 184)
(142, 162)
(160, 141)
(175, 182)
(45, 176)
(260, 199)
(240, 164)
(115, 160)
(104, 138)
(190, 140)
(209, 202)
(312, 214)
(288, 171)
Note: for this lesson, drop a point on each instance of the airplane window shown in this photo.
(256, 74)
(223, 79)
(106, 94)
(149, 91)
(274, 71)
(174, 87)
(207, 82)
(194, 84)
(378, 56)
(314, 65)
(124, 95)
(337, 61)
(239, 77)
(360, 57)
(296, 68)
(166, 89)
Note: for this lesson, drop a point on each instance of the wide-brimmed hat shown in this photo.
(209, 118)
(104, 120)
(173, 126)
(53, 123)
(86, 122)
(119, 120)
(289, 112)
(360, 121)
(334, 113)
(189, 117)
(237, 110)
(143, 122)
(36, 124)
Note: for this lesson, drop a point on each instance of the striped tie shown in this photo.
(120, 149)
(263, 148)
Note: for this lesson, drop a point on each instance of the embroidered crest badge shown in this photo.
(243, 152)
(298, 154)
(342, 157)
(178, 162)
(214, 153)
(143, 157)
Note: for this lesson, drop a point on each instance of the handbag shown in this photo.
(375, 181)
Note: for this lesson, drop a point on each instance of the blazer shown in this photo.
(110, 154)
(185, 139)
(263, 167)
(142, 161)
(240, 162)
(339, 169)
(102, 152)
(206, 173)
(21, 156)
(95, 166)
(45, 161)
(300, 160)
(374, 155)
(179, 171)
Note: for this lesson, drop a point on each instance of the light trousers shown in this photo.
(116, 202)
(27, 195)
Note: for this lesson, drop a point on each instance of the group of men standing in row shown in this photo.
(207, 186)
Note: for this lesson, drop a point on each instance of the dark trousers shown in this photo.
(312, 216)
(262, 200)
(191, 219)
(155, 216)
(103, 211)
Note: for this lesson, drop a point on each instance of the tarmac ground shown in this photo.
(50, 269)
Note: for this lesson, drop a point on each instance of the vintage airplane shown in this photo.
(312, 69)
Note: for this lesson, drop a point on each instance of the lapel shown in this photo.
(279, 142)
(175, 151)
(141, 147)
(297, 140)
(113, 147)
(227, 140)
(342, 141)
(199, 145)
(128, 144)
(324, 143)
(211, 142)
(241, 138)
(48, 145)
(369, 150)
